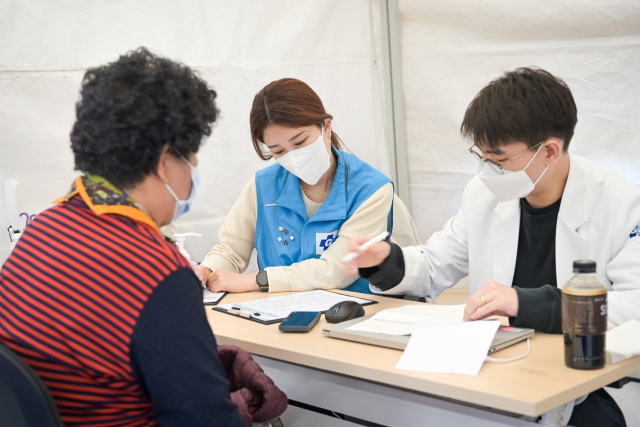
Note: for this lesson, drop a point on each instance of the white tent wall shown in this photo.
(238, 47)
(450, 50)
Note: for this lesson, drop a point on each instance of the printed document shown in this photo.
(280, 307)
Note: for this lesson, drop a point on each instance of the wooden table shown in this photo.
(530, 387)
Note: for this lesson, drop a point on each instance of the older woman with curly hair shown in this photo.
(120, 336)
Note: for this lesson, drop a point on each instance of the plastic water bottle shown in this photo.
(180, 238)
(584, 318)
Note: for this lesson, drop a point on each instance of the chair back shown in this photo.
(404, 230)
(24, 399)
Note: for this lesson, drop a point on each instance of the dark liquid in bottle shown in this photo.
(584, 351)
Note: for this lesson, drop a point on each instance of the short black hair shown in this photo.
(131, 108)
(526, 105)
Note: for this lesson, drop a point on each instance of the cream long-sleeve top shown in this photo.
(327, 272)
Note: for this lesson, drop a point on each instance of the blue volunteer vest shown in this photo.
(284, 235)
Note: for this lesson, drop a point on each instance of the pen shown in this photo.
(353, 255)
(204, 284)
(245, 313)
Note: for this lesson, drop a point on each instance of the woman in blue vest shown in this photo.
(300, 212)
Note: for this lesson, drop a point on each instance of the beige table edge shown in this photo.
(499, 386)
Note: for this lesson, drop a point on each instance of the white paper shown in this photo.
(459, 348)
(404, 320)
(208, 296)
(281, 307)
(623, 342)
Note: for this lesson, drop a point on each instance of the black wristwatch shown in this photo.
(263, 281)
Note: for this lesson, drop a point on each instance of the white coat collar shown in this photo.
(505, 209)
(570, 244)
(573, 208)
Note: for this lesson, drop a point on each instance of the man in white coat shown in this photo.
(529, 213)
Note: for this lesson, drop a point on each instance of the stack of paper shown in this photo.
(211, 297)
(623, 342)
(440, 341)
(456, 349)
(403, 320)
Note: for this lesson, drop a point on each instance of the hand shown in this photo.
(204, 275)
(373, 256)
(225, 280)
(500, 300)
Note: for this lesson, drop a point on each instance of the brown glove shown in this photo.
(263, 399)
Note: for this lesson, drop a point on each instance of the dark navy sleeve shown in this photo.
(175, 358)
(389, 273)
(539, 309)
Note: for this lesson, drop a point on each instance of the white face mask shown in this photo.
(183, 206)
(308, 163)
(510, 185)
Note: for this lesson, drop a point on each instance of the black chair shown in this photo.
(24, 399)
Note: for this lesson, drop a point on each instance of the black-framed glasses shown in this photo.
(495, 165)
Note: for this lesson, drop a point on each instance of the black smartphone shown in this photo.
(300, 321)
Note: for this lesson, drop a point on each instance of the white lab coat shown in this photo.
(598, 213)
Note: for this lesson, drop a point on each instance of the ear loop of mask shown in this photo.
(172, 193)
(543, 172)
(195, 179)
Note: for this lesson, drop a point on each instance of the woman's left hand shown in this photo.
(225, 280)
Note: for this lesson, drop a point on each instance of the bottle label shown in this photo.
(584, 314)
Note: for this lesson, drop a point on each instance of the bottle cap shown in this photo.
(584, 266)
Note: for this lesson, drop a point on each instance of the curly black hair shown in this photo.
(131, 108)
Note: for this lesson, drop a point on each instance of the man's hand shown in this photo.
(225, 280)
(375, 255)
(498, 300)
